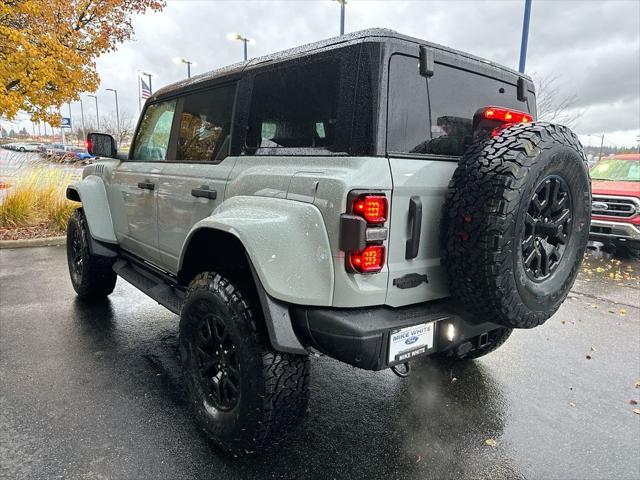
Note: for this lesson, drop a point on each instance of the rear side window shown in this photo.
(152, 141)
(408, 115)
(455, 96)
(295, 108)
(205, 125)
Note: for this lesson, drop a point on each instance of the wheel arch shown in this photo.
(212, 249)
(285, 241)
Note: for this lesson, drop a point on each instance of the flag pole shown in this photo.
(139, 101)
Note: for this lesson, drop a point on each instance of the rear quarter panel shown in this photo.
(324, 182)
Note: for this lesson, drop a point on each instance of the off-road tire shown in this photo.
(487, 214)
(273, 386)
(93, 278)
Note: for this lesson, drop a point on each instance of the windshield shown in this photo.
(616, 169)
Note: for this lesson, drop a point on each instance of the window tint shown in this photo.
(205, 125)
(152, 140)
(295, 108)
(408, 115)
(455, 97)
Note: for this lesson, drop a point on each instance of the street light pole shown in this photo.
(62, 136)
(84, 131)
(245, 41)
(70, 120)
(525, 35)
(188, 63)
(342, 12)
(95, 97)
(117, 112)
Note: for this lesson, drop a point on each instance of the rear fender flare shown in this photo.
(286, 242)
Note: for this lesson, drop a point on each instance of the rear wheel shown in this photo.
(245, 394)
(516, 222)
(91, 276)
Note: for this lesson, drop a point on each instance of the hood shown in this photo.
(621, 188)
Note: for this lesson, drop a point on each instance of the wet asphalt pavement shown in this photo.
(95, 391)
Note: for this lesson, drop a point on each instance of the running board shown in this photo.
(154, 285)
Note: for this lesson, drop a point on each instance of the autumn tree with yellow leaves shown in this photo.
(48, 49)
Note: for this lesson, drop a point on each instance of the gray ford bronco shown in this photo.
(374, 197)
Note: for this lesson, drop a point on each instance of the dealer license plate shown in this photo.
(409, 342)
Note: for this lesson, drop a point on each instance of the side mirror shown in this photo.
(101, 145)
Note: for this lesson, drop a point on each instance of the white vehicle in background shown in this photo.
(24, 147)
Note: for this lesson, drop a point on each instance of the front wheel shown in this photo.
(91, 276)
(245, 394)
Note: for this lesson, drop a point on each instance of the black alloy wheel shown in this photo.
(75, 254)
(547, 228)
(219, 369)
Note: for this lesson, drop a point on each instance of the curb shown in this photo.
(33, 242)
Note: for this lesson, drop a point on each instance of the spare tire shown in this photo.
(515, 223)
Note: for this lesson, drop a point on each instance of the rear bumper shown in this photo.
(360, 337)
(615, 232)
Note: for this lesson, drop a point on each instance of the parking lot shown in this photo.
(95, 391)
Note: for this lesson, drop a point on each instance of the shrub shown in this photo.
(17, 207)
(37, 196)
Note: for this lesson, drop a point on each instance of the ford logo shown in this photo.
(599, 206)
(411, 340)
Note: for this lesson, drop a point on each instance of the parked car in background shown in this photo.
(74, 154)
(616, 202)
(22, 146)
(53, 149)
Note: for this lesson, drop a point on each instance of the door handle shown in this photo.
(204, 192)
(146, 185)
(415, 217)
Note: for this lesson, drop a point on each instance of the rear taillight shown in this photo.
(369, 260)
(373, 208)
(362, 231)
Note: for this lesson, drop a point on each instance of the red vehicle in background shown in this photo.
(616, 202)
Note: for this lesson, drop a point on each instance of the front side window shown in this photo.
(295, 108)
(152, 141)
(205, 125)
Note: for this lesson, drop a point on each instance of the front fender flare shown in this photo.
(286, 242)
(91, 192)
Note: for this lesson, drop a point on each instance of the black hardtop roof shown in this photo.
(379, 34)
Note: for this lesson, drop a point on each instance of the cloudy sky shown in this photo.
(593, 47)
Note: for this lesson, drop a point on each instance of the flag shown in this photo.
(145, 91)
